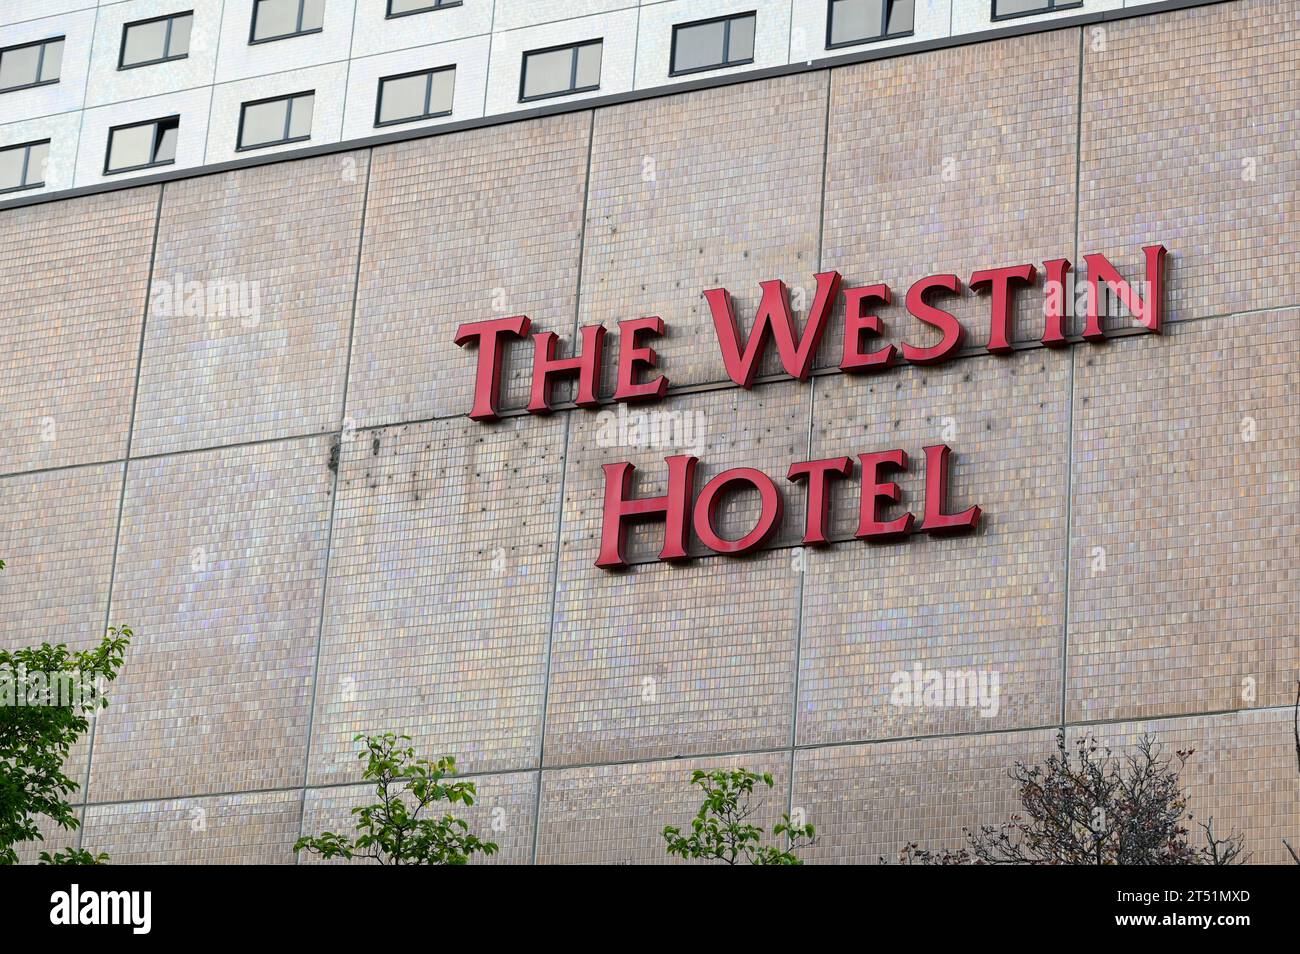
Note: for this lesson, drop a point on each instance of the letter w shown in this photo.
(773, 318)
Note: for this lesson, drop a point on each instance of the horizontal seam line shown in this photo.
(722, 754)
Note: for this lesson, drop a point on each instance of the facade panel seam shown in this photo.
(559, 517)
(1282, 708)
(126, 470)
(334, 500)
(1069, 412)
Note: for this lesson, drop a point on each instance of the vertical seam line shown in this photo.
(212, 87)
(85, 93)
(559, 517)
(636, 48)
(121, 497)
(334, 499)
(487, 65)
(347, 78)
(1069, 417)
(812, 405)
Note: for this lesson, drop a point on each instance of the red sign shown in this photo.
(682, 510)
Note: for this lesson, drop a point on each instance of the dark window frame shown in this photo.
(40, 63)
(1048, 6)
(428, 93)
(288, 121)
(167, 41)
(884, 33)
(252, 27)
(573, 69)
(726, 43)
(27, 158)
(174, 119)
(428, 8)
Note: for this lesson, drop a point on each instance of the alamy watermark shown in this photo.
(62, 689)
(213, 299)
(652, 430)
(918, 687)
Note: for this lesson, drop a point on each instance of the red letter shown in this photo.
(487, 379)
(620, 511)
(953, 332)
(773, 317)
(631, 356)
(818, 474)
(1002, 281)
(1148, 312)
(870, 526)
(586, 365)
(770, 509)
(936, 497)
(1054, 299)
(857, 323)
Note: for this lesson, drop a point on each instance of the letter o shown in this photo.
(771, 506)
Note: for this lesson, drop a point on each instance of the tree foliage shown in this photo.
(722, 829)
(35, 741)
(390, 832)
(73, 856)
(1090, 807)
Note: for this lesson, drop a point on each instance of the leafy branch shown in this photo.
(722, 829)
(35, 740)
(392, 833)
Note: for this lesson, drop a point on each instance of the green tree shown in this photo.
(722, 830)
(35, 739)
(393, 834)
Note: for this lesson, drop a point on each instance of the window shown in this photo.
(560, 70)
(23, 166)
(278, 19)
(400, 8)
(270, 122)
(32, 64)
(420, 95)
(142, 145)
(858, 21)
(146, 42)
(710, 44)
(1002, 9)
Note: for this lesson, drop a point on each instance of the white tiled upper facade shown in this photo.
(357, 44)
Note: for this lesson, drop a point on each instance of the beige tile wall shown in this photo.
(252, 828)
(715, 189)
(58, 530)
(422, 634)
(1186, 481)
(262, 353)
(671, 661)
(483, 225)
(1188, 137)
(990, 603)
(74, 276)
(948, 162)
(220, 570)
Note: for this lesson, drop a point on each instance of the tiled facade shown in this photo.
(76, 276)
(249, 326)
(311, 539)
